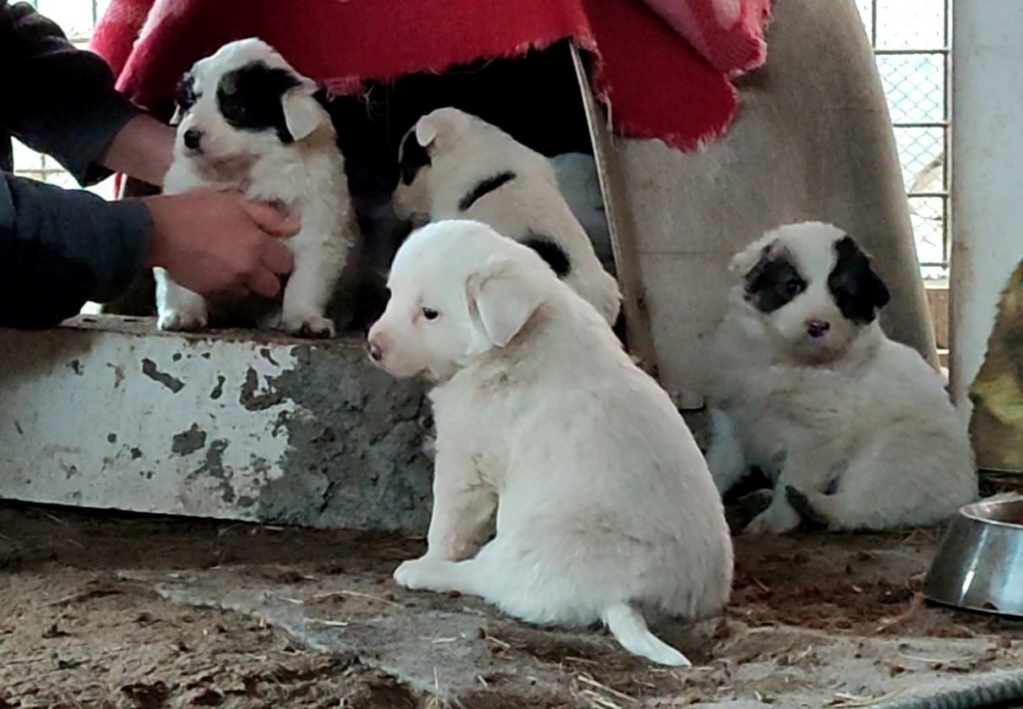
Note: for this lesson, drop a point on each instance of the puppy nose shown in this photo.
(817, 328)
(192, 138)
(376, 352)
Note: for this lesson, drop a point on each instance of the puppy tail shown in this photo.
(627, 625)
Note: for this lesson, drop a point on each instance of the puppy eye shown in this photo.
(794, 286)
(430, 314)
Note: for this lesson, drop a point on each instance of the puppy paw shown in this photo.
(776, 519)
(185, 320)
(424, 574)
(804, 508)
(311, 326)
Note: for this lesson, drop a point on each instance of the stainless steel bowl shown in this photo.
(979, 564)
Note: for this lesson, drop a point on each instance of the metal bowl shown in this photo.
(979, 564)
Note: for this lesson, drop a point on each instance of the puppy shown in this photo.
(457, 166)
(856, 431)
(579, 183)
(605, 508)
(249, 122)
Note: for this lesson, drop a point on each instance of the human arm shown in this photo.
(62, 248)
(143, 149)
(67, 106)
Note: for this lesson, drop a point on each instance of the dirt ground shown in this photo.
(83, 623)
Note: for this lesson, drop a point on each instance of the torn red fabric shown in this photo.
(663, 66)
(727, 33)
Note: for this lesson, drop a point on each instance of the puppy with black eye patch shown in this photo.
(454, 165)
(856, 431)
(247, 121)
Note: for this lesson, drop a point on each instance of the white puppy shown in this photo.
(856, 431)
(249, 122)
(605, 507)
(457, 166)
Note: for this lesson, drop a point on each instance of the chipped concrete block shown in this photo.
(110, 413)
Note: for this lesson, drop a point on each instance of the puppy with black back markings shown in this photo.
(456, 166)
(605, 507)
(248, 121)
(855, 430)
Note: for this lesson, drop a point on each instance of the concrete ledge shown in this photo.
(110, 413)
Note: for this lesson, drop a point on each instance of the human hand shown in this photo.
(219, 243)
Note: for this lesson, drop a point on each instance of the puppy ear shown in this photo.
(501, 300)
(440, 126)
(426, 131)
(747, 259)
(303, 114)
(185, 96)
(858, 290)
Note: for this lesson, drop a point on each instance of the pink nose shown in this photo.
(817, 328)
(376, 352)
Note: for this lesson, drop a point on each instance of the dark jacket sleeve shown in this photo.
(61, 100)
(60, 248)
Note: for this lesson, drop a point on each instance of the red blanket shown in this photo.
(663, 66)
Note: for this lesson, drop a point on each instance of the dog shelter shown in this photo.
(307, 432)
(703, 139)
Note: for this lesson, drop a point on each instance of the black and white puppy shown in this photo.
(457, 166)
(248, 121)
(855, 430)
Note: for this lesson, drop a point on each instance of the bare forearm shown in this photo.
(143, 149)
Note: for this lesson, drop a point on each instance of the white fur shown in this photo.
(464, 150)
(854, 407)
(305, 177)
(605, 507)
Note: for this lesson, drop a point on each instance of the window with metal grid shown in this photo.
(912, 47)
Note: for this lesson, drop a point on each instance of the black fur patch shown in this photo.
(249, 98)
(483, 188)
(414, 158)
(806, 511)
(774, 281)
(186, 96)
(550, 252)
(857, 290)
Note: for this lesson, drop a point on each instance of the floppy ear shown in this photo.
(185, 94)
(439, 126)
(302, 112)
(501, 300)
(857, 266)
(426, 131)
(858, 290)
(747, 259)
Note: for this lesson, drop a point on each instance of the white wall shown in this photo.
(987, 156)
